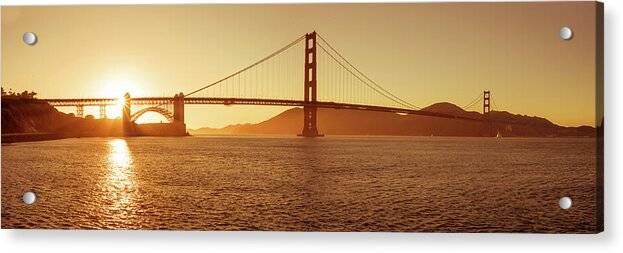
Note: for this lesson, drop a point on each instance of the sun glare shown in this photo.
(120, 102)
(117, 87)
(120, 180)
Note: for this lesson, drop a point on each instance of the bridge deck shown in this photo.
(246, 101)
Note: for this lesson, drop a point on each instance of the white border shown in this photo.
(171, 241)
(99, 2)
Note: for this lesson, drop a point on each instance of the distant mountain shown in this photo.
(355, 122)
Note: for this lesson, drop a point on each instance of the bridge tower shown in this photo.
(309, 111)
(486, 108)
(126, 115)
(178, 107)
(486, 102)
(178, 110)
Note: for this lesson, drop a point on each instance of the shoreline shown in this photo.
(36, 137)
(31, 137)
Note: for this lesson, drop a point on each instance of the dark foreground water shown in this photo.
(287, 183)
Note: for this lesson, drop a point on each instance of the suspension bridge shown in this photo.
(329, 80)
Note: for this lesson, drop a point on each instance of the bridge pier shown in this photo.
(126, 115)
(103, 112)
(80, 111)
(310, 128)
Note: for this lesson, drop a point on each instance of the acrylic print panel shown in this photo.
(428, 117)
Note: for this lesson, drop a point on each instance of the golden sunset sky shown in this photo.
(425, 53)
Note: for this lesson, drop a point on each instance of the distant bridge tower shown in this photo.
(310, 128)
(486, 102)
(126, 115)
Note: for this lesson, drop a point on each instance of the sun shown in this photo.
(120, 102)
(117, 87)
(115, 110)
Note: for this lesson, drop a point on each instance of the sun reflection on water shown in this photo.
(120, 179)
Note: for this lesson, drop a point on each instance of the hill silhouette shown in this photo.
(355, 122)
(27, 119)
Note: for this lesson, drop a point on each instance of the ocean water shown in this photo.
(299, 184)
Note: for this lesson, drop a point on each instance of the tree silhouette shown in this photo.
(24, 94)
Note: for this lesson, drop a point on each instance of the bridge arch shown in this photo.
(162, 111)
